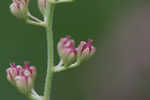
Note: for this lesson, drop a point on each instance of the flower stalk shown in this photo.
(50, 50)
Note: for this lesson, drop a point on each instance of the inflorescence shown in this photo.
(23, 77)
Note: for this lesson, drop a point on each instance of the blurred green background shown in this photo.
(118, 71)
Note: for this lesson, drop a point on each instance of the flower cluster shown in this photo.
(68, 53)
(22, 77)
(19, 8)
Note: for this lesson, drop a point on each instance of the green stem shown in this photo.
(42, 24)
(63, 1)
(63, 68)
(34, 18)
(50, 51)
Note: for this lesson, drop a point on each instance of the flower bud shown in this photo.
(24, 83)
(22, 78)
(66, 50)
(42, 6)
(12, 72)
(19, 8)
(86, 50)
(29, 70)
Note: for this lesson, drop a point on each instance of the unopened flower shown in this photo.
(86, 50)
(22, 77)
(67, 51)
(42, 4)
(24, 83)
(19, 8)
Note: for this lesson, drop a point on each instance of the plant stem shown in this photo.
(63, 1)
(34, 18)
(42, 24)
(50, 51)
(63, 68)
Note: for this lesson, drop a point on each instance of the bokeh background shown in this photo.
(120, 69)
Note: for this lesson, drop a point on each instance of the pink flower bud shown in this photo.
(66, 50)
(22, 77)
(24, 83)
(13, 71)
(86, 50)
(19, 8)
(42, 4)
(29, 70)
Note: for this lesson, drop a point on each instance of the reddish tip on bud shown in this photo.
(86, 50)
(22, 77)
(66, 50)
(19, 8)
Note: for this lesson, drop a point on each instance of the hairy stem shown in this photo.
(50, 51)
